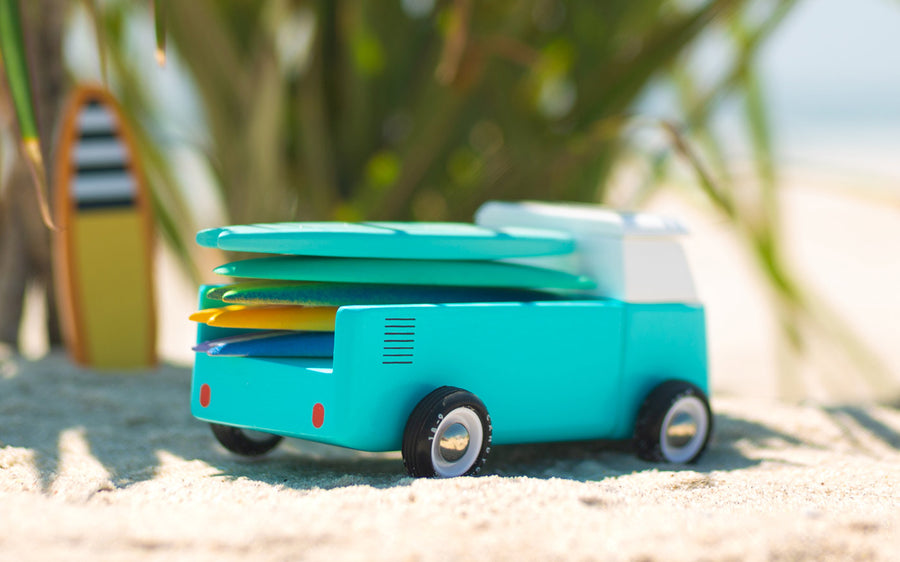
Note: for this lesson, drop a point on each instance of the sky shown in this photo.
(839, 56)
(832, 80)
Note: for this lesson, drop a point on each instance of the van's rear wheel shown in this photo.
(448, 434)
(674, 424)
(244, 441)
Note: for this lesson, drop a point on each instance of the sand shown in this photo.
(113, 467)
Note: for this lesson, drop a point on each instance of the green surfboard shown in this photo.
(405, 272)
(389, 240)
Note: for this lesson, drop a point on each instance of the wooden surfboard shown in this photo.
(389, 240)
(103, 250)
(307, 318)
(347, 294)
(405, 272)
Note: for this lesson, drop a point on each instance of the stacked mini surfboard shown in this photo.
(286, 304)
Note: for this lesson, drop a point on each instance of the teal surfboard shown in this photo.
(348, 294)
(405, 272)
(391, 240)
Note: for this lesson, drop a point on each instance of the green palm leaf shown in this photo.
(159, 25)
(12, 53)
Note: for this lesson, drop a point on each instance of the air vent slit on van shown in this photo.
(398, 331)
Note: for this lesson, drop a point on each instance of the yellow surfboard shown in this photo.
(103, 250)
(287, 317)
(207, 314)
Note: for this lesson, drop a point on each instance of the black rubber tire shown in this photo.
(422, 426)
(652, 415)
(237, 441)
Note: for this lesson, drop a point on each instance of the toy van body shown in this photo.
(445, 382)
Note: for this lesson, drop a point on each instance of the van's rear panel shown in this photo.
(289, 396)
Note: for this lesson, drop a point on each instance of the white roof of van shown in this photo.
(579, 217)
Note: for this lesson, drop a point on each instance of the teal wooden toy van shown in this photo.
(613, 348)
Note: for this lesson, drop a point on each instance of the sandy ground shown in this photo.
(112, 466)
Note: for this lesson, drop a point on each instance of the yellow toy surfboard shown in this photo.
(103, 250)
(207, 314)
(287, 317)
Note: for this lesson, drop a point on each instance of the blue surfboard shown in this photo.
(278, 343)
(204, 347)
(390, 240)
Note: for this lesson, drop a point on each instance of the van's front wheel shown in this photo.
(674, 424)
(448, 434)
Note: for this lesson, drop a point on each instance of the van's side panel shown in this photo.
(546, 371)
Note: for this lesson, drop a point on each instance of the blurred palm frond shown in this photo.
(423, 109)
(12, 55)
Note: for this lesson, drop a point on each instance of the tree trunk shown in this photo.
(14, 267)
(24, 241)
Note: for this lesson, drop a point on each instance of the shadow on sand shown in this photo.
(128, 420)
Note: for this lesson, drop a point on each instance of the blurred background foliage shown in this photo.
(424, 109)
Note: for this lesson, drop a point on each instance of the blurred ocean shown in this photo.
(832, 80)
(830, 76)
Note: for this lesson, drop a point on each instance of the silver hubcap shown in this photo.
(457, 442)
(681, 431)
(453, 442)
(684, 430)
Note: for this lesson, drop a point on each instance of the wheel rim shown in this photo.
(684, 429)
(457, 443)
